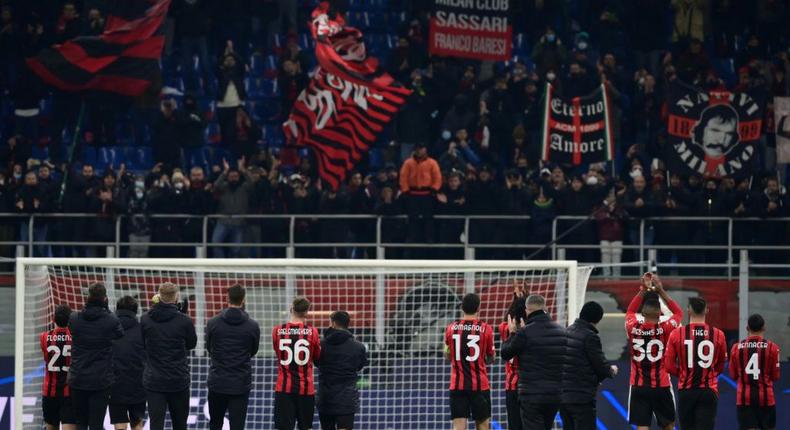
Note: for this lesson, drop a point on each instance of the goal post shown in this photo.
(398, 309)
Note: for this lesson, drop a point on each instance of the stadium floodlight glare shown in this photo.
(398, 308)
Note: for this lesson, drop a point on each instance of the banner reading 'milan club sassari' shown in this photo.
(477, 29)
(577, 130)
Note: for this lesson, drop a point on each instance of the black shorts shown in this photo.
(474, 403)
(58, 410)
(697, 408)
(132, 414)
(290, 409)
(644, 402)
(757, 417)
(334, 422)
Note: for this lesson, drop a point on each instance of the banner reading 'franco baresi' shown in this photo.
(478, 29)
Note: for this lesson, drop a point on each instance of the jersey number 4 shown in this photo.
(298, 353)
(56, 354)
(753, 366)
(471, 343)
(643, 351)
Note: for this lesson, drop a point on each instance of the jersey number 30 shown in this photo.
(643, 351)
(471, 343)
(299, 353)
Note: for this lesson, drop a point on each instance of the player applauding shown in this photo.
(56, 398)
(648, 333)
(518, 312)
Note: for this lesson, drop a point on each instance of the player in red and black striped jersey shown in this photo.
(754, 364)
(468, 345)
(696, 354)
(518, 312)
(55, 393)
(297, 346)
(648, 332)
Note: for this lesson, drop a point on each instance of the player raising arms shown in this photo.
(469, 343)
(297, 345)
(696, 354)
(754, 363)
(648, 332)
(517, 312)
(56, 398)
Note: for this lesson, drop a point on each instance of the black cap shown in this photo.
(591, 312)
(419, 144)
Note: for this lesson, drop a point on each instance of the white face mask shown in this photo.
(635, 173)
(582, 45)
(550, 76)
(592, 180)
(179, 185)
(139, 193)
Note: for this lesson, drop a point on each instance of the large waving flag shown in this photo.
(124, 59)
(347, 103)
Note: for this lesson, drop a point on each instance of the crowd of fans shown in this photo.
(465, 143)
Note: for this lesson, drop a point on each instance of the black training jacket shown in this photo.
(232, 339)
(540, 348)
(92, 331)
(342, 357)
(129, 360)
(168, 335)
(585, 365)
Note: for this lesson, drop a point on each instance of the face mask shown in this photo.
(446, 135)
(592, 180)
(17, 176)
(641, 81)
(179, 185)
(582, 45)
(139, 193)
(139, 184)
(551, 38)
(635, 173)
(550, 76)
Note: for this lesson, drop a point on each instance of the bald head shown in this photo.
(535, 302)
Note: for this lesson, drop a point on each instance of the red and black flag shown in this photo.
(124, 59)
(348, 102)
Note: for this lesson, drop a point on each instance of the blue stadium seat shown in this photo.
(257, 62)
(269, 87)
(520, 46)
(212, 133)
(110, 156)
(273, 135)
(88, 155)
(39, 152)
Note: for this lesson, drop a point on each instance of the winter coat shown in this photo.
(129, 361)
(92, 331)
(342, 358)
(168, 335)
(232, 339)
(540, 348)
(585, 365)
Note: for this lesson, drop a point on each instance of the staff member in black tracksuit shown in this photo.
(540, 347)
(232, 339)
(91, 372)
(127, 398)
(342, 358)
(585, 368)
(168, 336)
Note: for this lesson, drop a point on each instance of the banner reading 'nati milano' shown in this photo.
(478, 29)
(712, 133)
(577, 130)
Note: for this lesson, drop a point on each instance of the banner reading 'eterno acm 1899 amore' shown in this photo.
(479, 29)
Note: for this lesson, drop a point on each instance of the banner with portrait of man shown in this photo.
(782, 121)
(712, 133)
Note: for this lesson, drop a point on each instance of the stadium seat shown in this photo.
(212, 133)
(39, 152)
(88, 155)
(110, 156)
(139, 158)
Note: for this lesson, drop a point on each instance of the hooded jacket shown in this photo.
(92, 332)
(342, 358)
(585, 365)
(168, 335)
(232, 339)
(128, 360)
(540, 348)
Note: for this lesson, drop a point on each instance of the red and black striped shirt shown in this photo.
(469, 343)
(511, 366)
(297, 346)
(648, 341)
(754, 363)
(56, 346)
(696, 354)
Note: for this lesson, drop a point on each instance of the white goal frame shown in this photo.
(574, 299)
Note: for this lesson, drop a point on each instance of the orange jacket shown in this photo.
(420, 176)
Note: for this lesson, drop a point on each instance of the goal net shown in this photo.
(398, 309)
